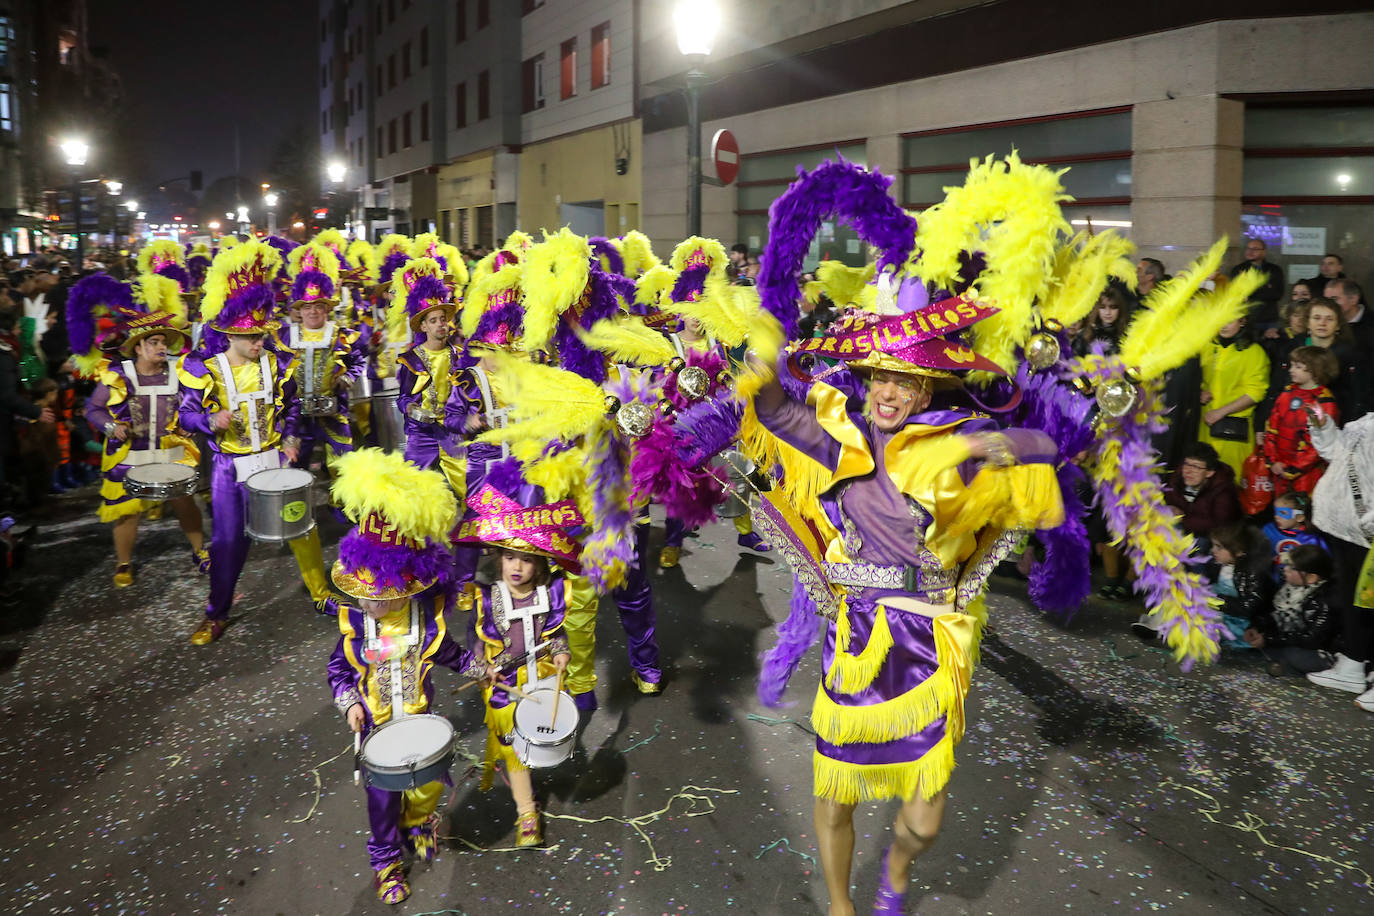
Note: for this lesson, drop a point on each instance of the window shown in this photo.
(6, 101)
(483, 14)
(601, 55)
(381, 86)
(6, 41)
(424, 121)
(460, 105)
(529, 6)
(1306, 185)
(379, 16)
(324, 30)
(763, 177)
(324, 121)
(391, 136)
(484, 95)
(324, 76)
(424, 47)
(405, 131)
(567, 69)
(391, 71)
(532, 83)
(390, 11)
(380, 145)
(460, 21)
(405, 61)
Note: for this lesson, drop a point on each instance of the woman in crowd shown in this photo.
(1235, 377)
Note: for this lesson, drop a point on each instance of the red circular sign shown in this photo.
(725, 155)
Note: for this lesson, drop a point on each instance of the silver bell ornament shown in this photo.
(1042, 351)
(1116, 397)
(635, 419)
(693, 383)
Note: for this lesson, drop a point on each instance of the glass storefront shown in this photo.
(763, 177)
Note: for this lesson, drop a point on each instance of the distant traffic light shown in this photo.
(195, 180)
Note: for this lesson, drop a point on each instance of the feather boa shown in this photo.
(706, 429)
(842, 189)
(796, 634)
(85, 303)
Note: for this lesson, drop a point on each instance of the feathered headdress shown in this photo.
(158, 293)
(416, 290)
(238, 290)
(494, 310)
(403, 516)
(334, 240)
(506, 520)
(455, 268)
(363, 257)
(638, 254)
(165, 258)
(392, 254)
(197, 263)
(554, 279)
(314, 271)
(607, 253)
(95, 307)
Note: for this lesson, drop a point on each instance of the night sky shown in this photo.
(191, 71)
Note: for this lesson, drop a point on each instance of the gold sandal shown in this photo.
(392, 886)
(528, 832)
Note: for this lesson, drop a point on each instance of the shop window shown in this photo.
(601, 55)
(1308, 185)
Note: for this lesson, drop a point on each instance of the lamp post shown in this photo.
(75, 151)
(132, 207)
(696, 22)
(243, 219)
(337, 171)
(270, 198)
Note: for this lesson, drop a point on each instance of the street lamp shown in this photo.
(270, 198)
(243, 218)
(337, 170)
(75, 150)
(696, 23)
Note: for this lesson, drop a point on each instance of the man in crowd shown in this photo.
(1148, 274)
(1332, 268)
(1264, 304)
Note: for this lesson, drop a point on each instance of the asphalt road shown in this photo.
(145, 775)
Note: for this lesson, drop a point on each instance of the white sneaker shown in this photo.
(1366, 700)
(1347, 674)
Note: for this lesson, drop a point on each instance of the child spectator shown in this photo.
(1243, 581)
(1289, 530)
(1296, 632)
(1203, 493)
(1293, 461)
(1109, 321)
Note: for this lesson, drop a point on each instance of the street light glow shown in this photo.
(75, 150)
(337, 170)
(214, 225)
(696, 23)
(243, 214)
(114, 187)
(270, 198)
(131, 205)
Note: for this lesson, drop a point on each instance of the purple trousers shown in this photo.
(335, 432)
(673, 532)
(635, 602)
(391, 817)
(427, 442)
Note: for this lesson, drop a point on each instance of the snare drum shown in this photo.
(386, 421)
(160, 481)
(541, 741)
(319, 405)
(279, 504)
(408, 752)
(360, 390)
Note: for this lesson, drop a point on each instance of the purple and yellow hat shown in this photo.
(239, 298)
(314, 272)
(499, 520)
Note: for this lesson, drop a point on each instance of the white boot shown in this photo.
(1347, 674)
(1366, 700)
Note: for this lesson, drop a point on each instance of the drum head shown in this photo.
(408, 740)
(161, 473)
(279, 480)
(535, 721)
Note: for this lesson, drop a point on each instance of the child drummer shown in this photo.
(397, 564)
(517, 624)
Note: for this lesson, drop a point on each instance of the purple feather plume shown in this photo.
(691, 280)
(98, 289)
(1060, 582)
(602, 248)
(706, 429)
(395, 565)
(795, 635)
(307, 278)
(833, 189)
(394, 262)
(505, 476)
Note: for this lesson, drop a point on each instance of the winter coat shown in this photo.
(1316, 629)
(1216, 504)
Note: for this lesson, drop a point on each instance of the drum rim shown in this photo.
(547, 742)
(133, 472)
(446, 749)
(249, 482)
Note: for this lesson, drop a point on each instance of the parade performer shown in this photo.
(242, 398)
(396, 564)
(517, 623)
(328, 357)
(135, 405)
(421, 306)
(911, 500)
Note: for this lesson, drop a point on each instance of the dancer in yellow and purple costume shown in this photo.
(397, 565)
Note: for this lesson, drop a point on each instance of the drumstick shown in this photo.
(557, 695)
(357, 753)
(515, 690)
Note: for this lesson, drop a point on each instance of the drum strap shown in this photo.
(376, 648)
(526, 617)
(246, 401)
(151, 392)
(496, 416)
(311, 347)
(677, 347)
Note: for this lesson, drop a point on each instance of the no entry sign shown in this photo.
(725, 155)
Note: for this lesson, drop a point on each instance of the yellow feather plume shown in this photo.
(556, 272)
(228, 241)
(252, 261)
(200, 249)
(1153, 344)
(397, 316)
(1010, 212)
(547, 403)
(517, 242)
(330, 238)
(361, 253)
(844, 285)
(713, 250)
(160, 294)
(160, 249)
(418, 502)
(479, 294)
(638, 253)
(457, 268)
(627, 340)
(424, 245)
(652, 288)
(391, 244)
(90, 364)
(1082, 267)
